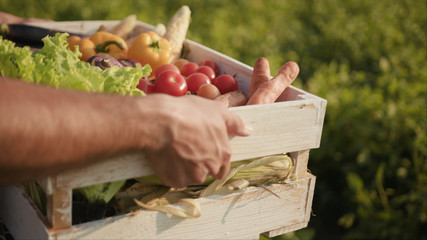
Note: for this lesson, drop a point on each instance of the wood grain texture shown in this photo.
(300, 159)
(112, 169)
(277, 128)
(58, 207)
(21, 215)
(240, 215)
(308, 212)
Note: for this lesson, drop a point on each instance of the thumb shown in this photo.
(236, 126)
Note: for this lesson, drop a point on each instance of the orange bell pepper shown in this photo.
(150, 48)
(99, 43)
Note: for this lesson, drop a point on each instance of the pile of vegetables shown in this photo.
(124, 60)
(171, 74)
(127, 45)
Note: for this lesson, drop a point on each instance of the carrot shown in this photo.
(260, 75)
(232, 99)
(268, 92)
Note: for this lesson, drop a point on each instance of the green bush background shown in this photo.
(367, 58)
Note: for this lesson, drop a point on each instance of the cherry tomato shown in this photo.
(211, 64)
(195, 80)
(146, 86)
(171, 83)
(225, 83)
(188, 68)
(208, 91)
(166, 67)
(180, 62)
(208, 71)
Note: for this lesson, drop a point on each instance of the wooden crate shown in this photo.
(291, 125)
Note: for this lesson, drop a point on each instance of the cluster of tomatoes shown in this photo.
(187, 77)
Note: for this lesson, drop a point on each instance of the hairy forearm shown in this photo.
(45, 130)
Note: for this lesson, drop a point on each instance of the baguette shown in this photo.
(124, 27)
(177, 30)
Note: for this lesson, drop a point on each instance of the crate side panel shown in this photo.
(21, 217)
(113, 169)
(234, 216)
(300, 159)
(83, 27)
(308, 212)
(59, 205)
(278, 128)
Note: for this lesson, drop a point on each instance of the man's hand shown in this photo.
(189, 138)
(185, 138)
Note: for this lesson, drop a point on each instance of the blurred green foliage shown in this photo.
(367, 58)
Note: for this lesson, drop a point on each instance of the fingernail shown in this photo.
(294, 70)
(248, 129)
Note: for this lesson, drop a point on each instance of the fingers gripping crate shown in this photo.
(292, 125)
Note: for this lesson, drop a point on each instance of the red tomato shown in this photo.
(166, 67)
(211, 64)
(189, 68)
(225, 83)
(146, 86)
(208, 71)
(195, 80)
(208, 91)
(171, 83)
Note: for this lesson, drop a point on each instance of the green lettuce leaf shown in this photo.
(101, 193)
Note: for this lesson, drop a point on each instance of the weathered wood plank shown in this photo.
(117, 168)
(278, 128)
(286, 229)
(59, 207)
(240, 215)
(308, 211)
(20, 215)
(301, 161)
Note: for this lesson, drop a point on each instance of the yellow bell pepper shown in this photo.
(150, 48)
(99, 43)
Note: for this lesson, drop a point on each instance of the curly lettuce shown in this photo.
(57, 66)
